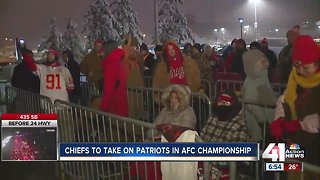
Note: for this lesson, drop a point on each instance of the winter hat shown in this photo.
(254, 45)
(98, 41)
(69, 53)
(227, 98)
(264, 41)
(144, 47)
(305, 51)
(197, 46)
(54, 52)
(158, 48)
(292, 33)
(296, 28)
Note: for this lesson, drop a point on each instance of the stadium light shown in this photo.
(241, 24)
(255, 25)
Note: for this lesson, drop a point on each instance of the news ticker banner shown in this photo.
(159, 152)
(29, 120)
(29, 137)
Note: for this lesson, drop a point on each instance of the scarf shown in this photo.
(290, 95)
(176, 75)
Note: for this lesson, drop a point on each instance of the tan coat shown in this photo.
(91, 63)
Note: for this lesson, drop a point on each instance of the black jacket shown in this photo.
(74, 68)
(24, 79)
(149, 62)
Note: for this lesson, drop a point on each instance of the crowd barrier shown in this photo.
(88, 91)
(205, 83)
(144, 104)
(222, 85)
(22, 101)
(82, 124)
(3, 84)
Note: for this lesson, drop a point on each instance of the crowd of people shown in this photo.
(179, 70)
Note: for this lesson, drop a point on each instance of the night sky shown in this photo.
(28, 18)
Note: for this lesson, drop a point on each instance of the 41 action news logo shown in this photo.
(279, 152)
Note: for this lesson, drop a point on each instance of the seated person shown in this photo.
(177, 109)
(226, 124)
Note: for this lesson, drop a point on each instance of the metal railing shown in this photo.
(144, 104)
(82, 124)
(206, 83)
(21, 101)
(222, 85)
(3, 84)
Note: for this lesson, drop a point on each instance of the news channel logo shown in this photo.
(279, 152)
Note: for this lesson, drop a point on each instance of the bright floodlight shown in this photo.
(319, 26)
(222, 29)
(6, 39)
(241, 20)
(254, 1)
(215, 30)
(21, 41)
(277, 30)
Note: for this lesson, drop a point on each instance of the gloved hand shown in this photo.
(276, 128)
(291, 126)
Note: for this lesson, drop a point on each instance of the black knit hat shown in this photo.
(158, 48)
(197, 46)
(144, 47)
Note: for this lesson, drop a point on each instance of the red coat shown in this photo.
(114, 98)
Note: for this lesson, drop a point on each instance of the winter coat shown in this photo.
(235, 130)
(257, 92)
(74, 68)
(237, 63)
(271, 56)
(184, 116)
(205, 68)
(114, 99)
(24, 79)
(307, 103)
(284, 65)
(149, 64)
(228, 62)
(91, 63)
(191, 70)
(256, 86)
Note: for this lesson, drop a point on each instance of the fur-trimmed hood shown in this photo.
(183, 92)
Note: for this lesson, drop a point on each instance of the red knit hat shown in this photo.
(54, 52)
(305, 51)
(98, 41)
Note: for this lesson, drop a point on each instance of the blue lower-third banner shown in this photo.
(159, 152)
